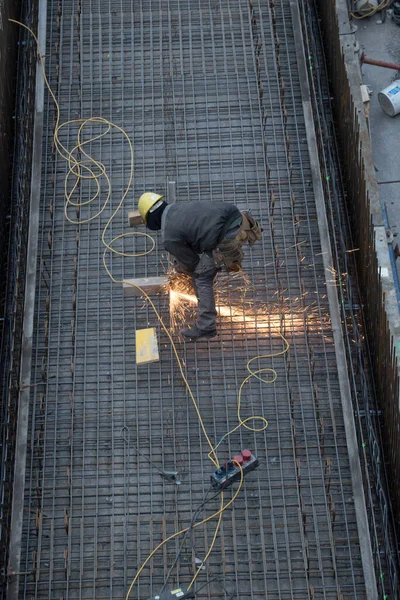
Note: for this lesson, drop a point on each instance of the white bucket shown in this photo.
(389, 98)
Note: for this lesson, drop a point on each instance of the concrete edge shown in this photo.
(340, 352)
(342, 10)
(29, 309)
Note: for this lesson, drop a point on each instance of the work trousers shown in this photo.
(229, 254)
(203, 284)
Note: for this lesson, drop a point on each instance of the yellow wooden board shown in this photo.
(146, 346)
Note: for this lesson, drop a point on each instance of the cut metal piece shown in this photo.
(150, 285)
(171, 476)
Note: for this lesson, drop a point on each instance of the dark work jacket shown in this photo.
(191, 228)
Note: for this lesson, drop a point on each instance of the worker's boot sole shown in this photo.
(193, 335)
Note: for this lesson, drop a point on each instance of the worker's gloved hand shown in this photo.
(251, 228)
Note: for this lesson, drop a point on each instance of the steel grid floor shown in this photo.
(208, 92)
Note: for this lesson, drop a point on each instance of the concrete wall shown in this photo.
(9, 34)
(368, 228)
(13, 133)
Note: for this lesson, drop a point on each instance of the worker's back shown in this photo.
(197, 225)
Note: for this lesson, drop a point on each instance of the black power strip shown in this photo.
(230, 472)
(177, 594)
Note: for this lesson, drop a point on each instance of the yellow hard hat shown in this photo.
(146, 203)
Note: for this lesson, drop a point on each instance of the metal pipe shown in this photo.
(378, 63)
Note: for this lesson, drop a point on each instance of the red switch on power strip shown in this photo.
(246, 455)
(238, 459)
(234, 469)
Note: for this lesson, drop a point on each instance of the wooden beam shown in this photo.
(146, 346)
(134, 218)
(151, 285)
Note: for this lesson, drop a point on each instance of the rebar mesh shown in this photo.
(368, 416)
(15, 219)
(209, 94)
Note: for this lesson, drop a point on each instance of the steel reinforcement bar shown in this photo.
(15, 219)
(365, 401)
(368, 228)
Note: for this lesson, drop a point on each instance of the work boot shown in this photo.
(193, 334)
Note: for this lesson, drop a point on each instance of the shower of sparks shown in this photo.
(183, 302)
(234, 302)
(339, 279)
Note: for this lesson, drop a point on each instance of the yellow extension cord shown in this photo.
(374, 9)
(88, 168)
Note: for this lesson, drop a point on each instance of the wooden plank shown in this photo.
(146, 346)
(134, 218)
(151, 285)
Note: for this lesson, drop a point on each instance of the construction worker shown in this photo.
(202, 237)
